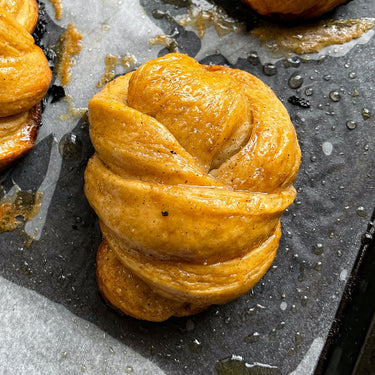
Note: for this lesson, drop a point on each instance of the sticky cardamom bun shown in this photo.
(24, 79)
(293, 9)
(193, 168)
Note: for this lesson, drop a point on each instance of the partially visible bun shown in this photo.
(18, 135)
(24, 79)
(293, 9)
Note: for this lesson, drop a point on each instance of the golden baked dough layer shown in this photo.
(18, 135)
(24, 71)
(25, 12)
(192, 171)
(291, 9)
(24, 79)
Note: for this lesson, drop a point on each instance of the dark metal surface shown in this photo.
(295, 303)
(350, 345)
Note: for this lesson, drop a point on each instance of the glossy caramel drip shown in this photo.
(200, 19)
(58, 9)
(69, 46)
(311, 37)
(111, 62)
(25, 204)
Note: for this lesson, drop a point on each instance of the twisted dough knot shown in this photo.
(192, 171)
(25, 12)
(24, 79)
(292, 9)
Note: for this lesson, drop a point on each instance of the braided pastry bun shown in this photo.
(24, 79)
(192, 171)
(293, 9)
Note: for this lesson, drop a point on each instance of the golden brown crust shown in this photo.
(130, 295)
(293, 9)
(18, 135)
(24, 79)
(192, 171)
(24, 71)
(25, 12)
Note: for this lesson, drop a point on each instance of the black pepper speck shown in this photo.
(301, 102)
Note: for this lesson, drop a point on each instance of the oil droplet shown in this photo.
(272, 334)
(309, 91)
(254, 337)
(295, 81)
(335, 96)
(269, 69)
(318, 249)
(343, 274)
(327, 77)
(195, 346)
(361, 211)
(352, 75)
(235, 365)
(298, 339)
(321, 59)
(351, 125)
(313, 158)
(70, 147)
(253, 58)
(293, 62)
(327, 148)
(318, 266)
(366, 114)
(354, 93)
(366, 238)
